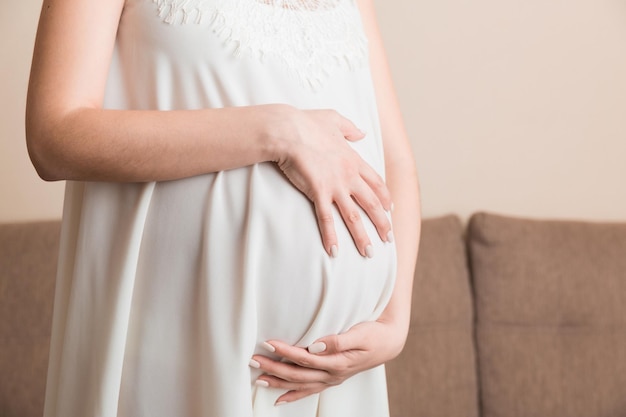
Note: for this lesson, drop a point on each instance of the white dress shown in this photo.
(165, 290)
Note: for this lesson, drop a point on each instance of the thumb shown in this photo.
(350, 131)
(333, 344)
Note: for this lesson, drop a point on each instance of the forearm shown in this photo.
(70, 135)
(403, 186)
(401, 176)
(117, 145)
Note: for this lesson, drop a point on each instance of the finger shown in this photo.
(326, 225)
(290, 372)
(365, 197)
(352, 218)
(349, 129)
(296, 395)
(275, 382)
(352, 340)
(377, 185)
(296, 355)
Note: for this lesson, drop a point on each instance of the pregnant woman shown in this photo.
(227, 247)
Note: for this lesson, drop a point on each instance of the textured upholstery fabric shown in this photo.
(550, 301)
(28, 257)
(551, 316)
(436, 375)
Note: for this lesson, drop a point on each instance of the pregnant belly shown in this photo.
(233, 258)
(298, 292)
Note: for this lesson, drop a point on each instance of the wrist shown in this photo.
(277, 131)
(398, 319)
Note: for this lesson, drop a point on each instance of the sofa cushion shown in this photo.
(551, 316)
(435, 375)
(28, 257)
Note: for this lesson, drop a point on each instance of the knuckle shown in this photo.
(291, 375)
(304, 362)
(378, 185)
(382, 223)
(325, 218)
(339, 370)
(376, 180)
(371, 205)
(318, 190)
(336, 379)
(353, 217)
(380, 188)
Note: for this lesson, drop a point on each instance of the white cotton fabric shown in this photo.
(165, 290)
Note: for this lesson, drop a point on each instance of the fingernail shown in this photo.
(390, 236)
(369, 251)
(317, 347)
(333, 251)
(262, 383)
(254, 364)
(392, 206)
(281, 403)
(268, 347)
(364, 133)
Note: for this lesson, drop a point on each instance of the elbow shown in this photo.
(45, 169)
(55, 147)
(42, 154)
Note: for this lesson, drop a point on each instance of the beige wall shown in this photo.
(23, 196)
(513, 106)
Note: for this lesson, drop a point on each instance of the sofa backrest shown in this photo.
(435, 376)
(541, 330)
(28, 259)
(550, 299)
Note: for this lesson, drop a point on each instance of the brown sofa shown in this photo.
(511, 317)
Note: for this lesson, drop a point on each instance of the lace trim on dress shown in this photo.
(311, 37)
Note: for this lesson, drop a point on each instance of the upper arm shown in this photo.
(72, 54)
(395, 139)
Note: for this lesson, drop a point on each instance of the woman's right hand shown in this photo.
(317, 159)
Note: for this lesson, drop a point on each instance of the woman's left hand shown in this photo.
(330, 360)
